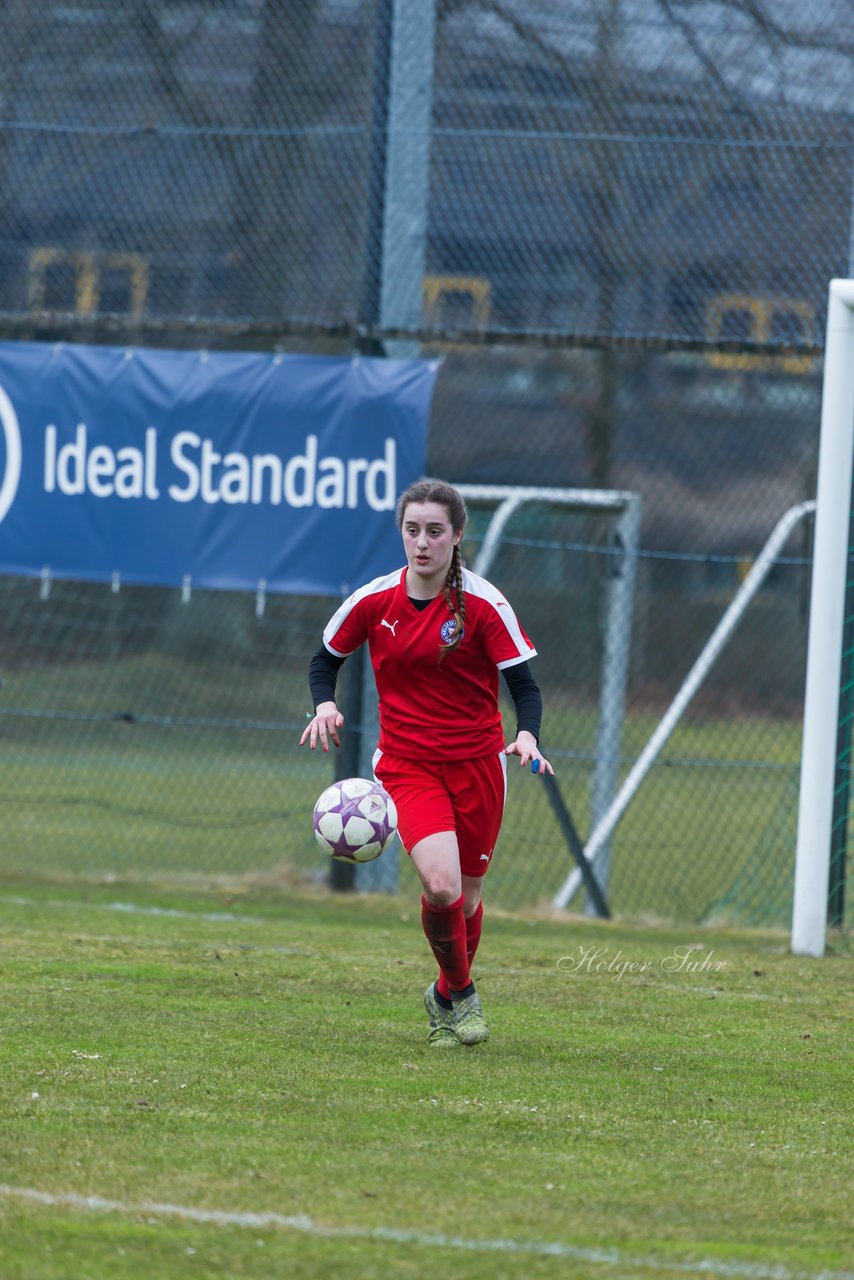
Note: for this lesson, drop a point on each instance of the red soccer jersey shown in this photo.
(430, 709)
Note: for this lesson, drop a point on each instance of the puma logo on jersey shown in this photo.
(391, 625)
(484, 857)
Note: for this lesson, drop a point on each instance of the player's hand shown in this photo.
(324, 724)
(525, 747)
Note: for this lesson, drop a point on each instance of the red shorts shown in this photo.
(464, 796)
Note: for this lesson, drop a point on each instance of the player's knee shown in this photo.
(440, 888)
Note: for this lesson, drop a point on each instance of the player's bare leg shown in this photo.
(472, 887)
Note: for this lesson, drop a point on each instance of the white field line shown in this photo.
(151, 1211)
(132, 909)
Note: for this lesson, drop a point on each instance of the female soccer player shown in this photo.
(438, 635)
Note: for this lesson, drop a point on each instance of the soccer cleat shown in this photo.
(470, 1024)
(442, 1034)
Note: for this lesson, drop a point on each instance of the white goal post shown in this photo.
(505, 501)
(827, 610)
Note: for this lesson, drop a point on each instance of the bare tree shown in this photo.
(749, 71)
(271, 182)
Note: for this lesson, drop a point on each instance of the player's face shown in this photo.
(429, 541)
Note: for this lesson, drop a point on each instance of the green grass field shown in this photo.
(235, 1084)
(89, 793)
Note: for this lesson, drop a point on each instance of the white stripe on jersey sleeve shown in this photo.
(474, 585)
(386, 583)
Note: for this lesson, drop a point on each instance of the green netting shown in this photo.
(761, 893)
(841, 831)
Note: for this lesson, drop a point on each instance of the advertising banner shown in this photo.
(211, 469)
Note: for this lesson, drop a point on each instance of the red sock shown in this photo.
(473, 929)
(445, 930)
(474, 924)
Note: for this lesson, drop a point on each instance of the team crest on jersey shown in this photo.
(449, 631)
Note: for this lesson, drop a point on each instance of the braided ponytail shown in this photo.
(454, 583)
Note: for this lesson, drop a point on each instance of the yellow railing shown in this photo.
(88, 267)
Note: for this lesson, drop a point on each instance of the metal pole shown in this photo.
(400, 168)
(595, 895)
(827, 605)
(615, 672)
(342, 875)
(407, 168)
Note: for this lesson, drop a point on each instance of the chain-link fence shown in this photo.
(143, 733)
(648, 169)
(615, 222)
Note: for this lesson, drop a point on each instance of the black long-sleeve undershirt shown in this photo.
(522, 687)
(323, 675)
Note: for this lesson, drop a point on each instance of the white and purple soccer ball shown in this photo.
(355, 820)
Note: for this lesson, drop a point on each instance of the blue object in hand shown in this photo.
(535, 766)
